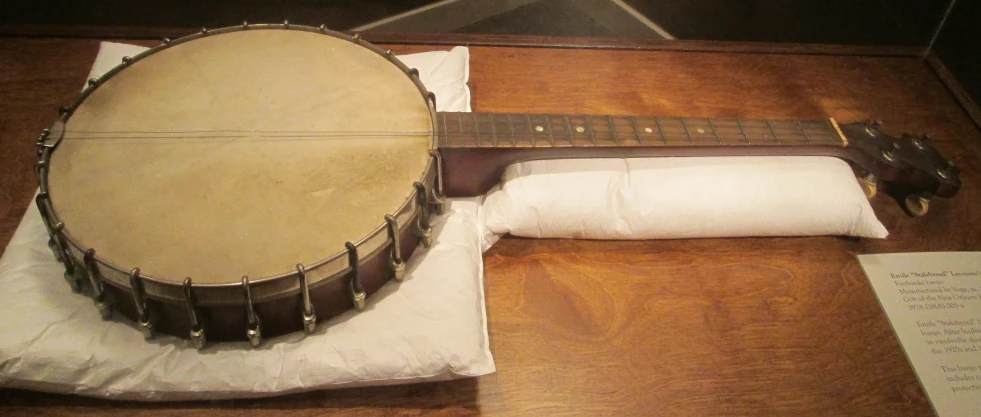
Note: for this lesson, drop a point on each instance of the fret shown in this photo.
(806, 139)
(514, 141)
(589, 128)
(701, 132)
(687, 132)
(770, 126)
(622, 131)
(633, 124)
(728, 132)
(674, 131)
(558, 130)
(568, 127)
(446, 133)
(715, 132)
(531, 130)
(460, 119)
(441, 131)
(476, 129)
(548, 128)
(660, 130)
(741, 130)
(493, 129)
(613, 130)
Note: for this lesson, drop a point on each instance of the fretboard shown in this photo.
(495, 130)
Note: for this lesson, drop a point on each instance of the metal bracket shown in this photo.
(357, 291)
(98, 289)
(51, 137)
(395, 259)
(144, 321)
(436, 196)
(197, 330)
(254, 331)
(423, 229)
(72, 274)
(309, 315)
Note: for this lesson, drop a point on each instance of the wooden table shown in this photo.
(751, 326)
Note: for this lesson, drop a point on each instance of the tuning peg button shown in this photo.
(918, 143)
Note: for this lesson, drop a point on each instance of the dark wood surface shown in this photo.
(961, 57)
(752, 326)
(529, 41)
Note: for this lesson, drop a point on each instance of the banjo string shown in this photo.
(217, 136)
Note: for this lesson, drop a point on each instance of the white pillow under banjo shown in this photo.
(202, 191)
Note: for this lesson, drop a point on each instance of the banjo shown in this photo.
(199, 190)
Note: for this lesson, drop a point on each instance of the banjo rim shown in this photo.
(337, 265)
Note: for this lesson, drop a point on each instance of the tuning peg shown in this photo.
(917, 204)
(890, 154)
(869, 184)
(872, 127)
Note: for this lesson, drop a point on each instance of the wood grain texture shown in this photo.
(752, 326)
(528, 41)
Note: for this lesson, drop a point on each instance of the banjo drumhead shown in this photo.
(241, 153)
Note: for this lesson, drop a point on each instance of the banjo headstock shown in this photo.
(909, 166)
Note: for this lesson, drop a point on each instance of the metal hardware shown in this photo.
(423, 228)
(166, 41)
(98, 287)
(917, 204)
(357, 38)
(413, 72)
(197, 330)
(204, 31)
(46, 219)
(143, 322)
(309, 315)
(54, 134)
(890, 154)
(254, 331)
(943, 173)
(395, 259)
(63, 110)
(436, 194)
(431, 97)
(322, 27)
(39, 168)
(286, 24)
(869, 185)
(127, 60)
(357, 291)
(918, 143)
(72, 275)
(93, 81)
(872, 127)
(245, 24)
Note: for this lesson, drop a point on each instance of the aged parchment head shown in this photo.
(933, 301)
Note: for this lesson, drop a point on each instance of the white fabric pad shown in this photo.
(430, 327)
(667, 198)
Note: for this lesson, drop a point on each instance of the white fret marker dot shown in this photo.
(539, 129)
(580, 129)
(700, 130)
(648, 130)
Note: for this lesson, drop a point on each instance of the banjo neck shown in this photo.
(477, 147)
(489, 130)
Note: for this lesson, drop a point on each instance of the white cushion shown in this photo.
(430, 327)
(670, 198)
